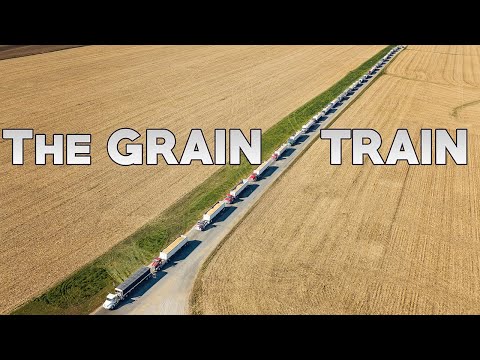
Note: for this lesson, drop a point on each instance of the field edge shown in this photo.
(8, 52)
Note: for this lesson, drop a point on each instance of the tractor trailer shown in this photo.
(276, 155)
(210, 215)
(329, 106)
(156, 264)
(142, 274)
(293, 139)
(307, 126)
(173, 248)
(122, 290)
(235, 192)
(260, 170)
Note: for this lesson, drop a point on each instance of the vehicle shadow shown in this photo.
(141, 289)
(248, 190)
(314, 128)
(287, 153)
(224, 215)
(269, 171)
(301, 139)
(183, 253)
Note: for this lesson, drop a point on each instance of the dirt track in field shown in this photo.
(15, 51)
(55, 219)
(367, 239)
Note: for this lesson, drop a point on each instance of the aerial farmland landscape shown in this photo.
(76, 214)
(295, 235)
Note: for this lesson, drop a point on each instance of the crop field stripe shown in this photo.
(197, 287)
(84, 290)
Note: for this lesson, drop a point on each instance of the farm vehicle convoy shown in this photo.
(146, 272)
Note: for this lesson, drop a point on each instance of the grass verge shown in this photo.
(84, 290)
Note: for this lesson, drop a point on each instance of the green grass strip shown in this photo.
(86, 289)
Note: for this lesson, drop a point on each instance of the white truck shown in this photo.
(276, 155)
(173, 248)
(125, 288)
(307, 126)
(235, 192)
(260, 170)
(210, 215)
(330, 106)
(293, 139)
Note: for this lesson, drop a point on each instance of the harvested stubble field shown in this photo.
(55, 219)
(367, 239)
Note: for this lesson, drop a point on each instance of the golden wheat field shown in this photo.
(367, 239)
(55, 219)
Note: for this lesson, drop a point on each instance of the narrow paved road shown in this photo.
(169, 293)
